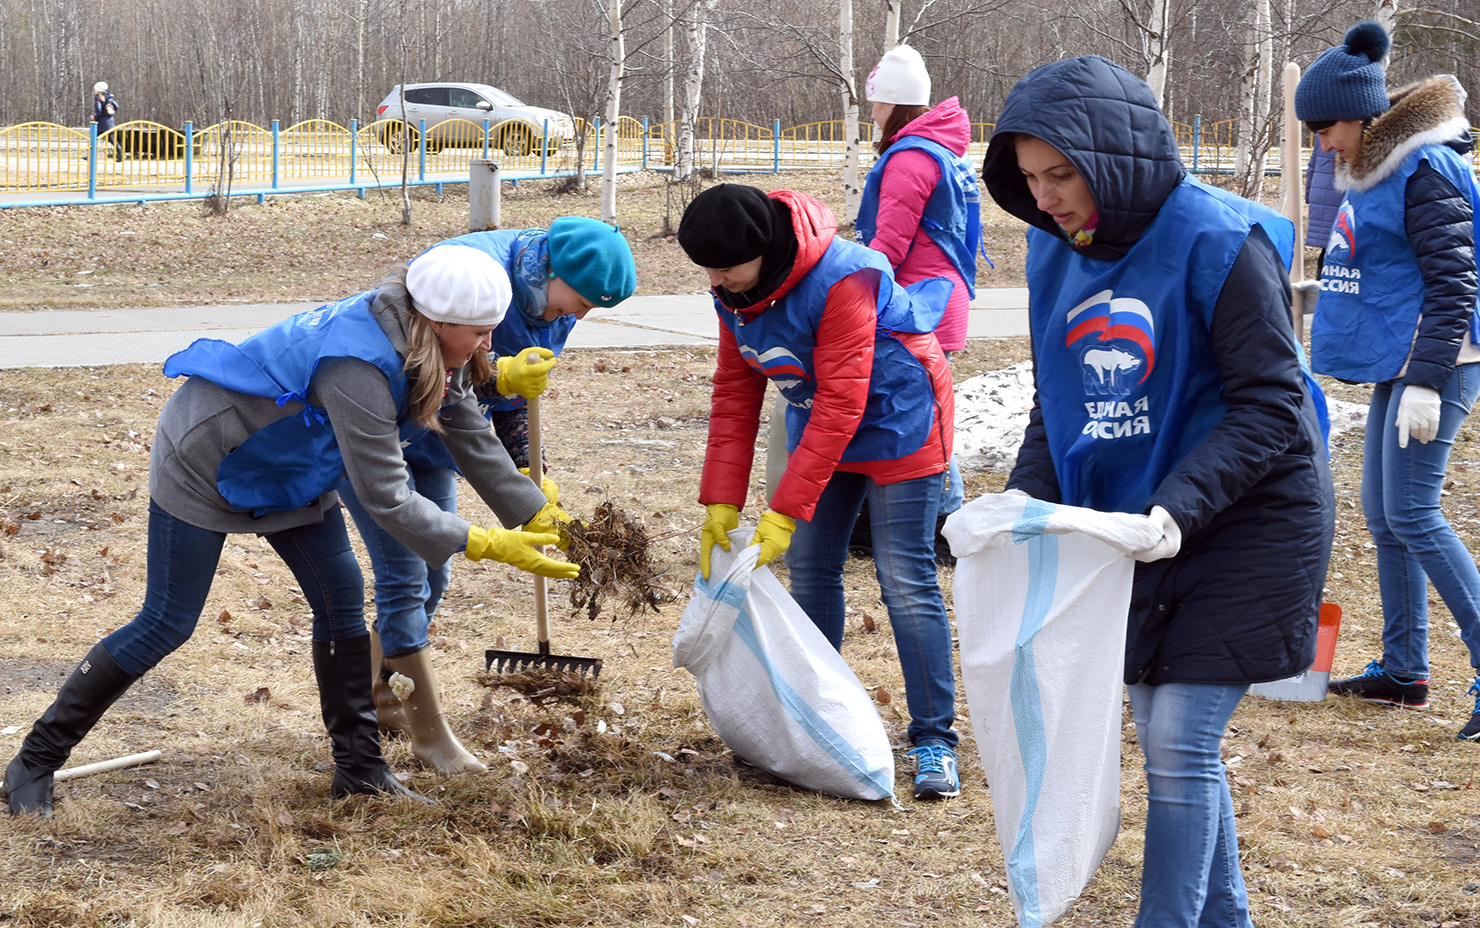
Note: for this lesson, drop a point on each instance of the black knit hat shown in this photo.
(730, 224)
(1348, 81)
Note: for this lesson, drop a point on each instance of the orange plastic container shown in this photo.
(1309, 686)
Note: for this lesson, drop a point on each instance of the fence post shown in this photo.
(545, 149)
(486, 128)
(421, 152)
(645, 131)
(274, 154)
(1196, 140)
(485, 196)
(354, 133)
(189, 156)
(92, 162)
(596, 154)
(775, 146)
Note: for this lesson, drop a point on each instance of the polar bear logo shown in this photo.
(1107, 370)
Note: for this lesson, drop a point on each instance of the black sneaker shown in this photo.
(1471, 732)
(1377, 685)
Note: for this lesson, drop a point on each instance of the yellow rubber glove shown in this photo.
(773, 534)
(719, 520)
(526, 374)
(547, 486)
(521, 549)
(547, 522)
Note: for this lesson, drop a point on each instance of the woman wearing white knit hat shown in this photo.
(254, 442)
(921, 204)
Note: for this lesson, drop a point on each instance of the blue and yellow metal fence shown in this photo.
(141, 160)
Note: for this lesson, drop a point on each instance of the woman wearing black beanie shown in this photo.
(870, 416)
(1398, 311)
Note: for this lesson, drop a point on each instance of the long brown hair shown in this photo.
(426, 370)
(903, 115)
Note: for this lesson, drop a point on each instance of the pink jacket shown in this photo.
(909, 179)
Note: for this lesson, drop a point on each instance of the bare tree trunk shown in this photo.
(891, 23)
(697, 20)
(1386, 15)
(613, 112)
(1157, 48)
(1253, 123)
(669, 64)
(852, 192)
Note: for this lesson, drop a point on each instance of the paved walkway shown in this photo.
(89, 338)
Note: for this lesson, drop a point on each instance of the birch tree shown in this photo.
(1254, 115)
(696, 26)
(1157, 49)
(848, 86)
(613, 111)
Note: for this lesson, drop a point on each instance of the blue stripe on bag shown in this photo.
(836, 746)
(1027, 703)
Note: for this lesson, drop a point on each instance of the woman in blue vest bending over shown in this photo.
(870, 414)
(557, 277)
(1398, 310)
(1169, 383)
(254, 442)
(921, 205)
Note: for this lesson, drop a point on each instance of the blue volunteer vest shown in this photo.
(780, 343)
(952, 216)
(1125, 371)
(295, 460)
(515, 333)
(1371, 286)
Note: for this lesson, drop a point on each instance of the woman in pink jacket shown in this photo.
(921, 204)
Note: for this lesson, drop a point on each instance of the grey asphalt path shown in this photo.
(91, 338)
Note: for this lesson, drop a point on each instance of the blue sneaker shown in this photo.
(935, 772)
(1471, 732)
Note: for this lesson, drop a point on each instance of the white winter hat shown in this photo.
(459, 284)
(100, 87)
(899, 78)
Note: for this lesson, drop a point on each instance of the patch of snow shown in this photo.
(992, 412)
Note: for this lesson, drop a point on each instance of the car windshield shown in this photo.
(501, 98)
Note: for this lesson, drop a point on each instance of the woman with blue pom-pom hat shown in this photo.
(1399, 310)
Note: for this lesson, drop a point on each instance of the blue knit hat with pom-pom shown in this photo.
(1348, 81)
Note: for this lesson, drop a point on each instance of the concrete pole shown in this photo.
(485, 195)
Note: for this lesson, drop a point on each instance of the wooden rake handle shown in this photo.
(537, 474)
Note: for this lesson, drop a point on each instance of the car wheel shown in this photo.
(393, 134)
(518, 140)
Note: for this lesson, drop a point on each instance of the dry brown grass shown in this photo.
(615, 806)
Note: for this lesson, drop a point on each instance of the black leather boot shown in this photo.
(343, 671)
(92, 688)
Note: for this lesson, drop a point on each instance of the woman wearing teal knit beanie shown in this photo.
(558, 275)
(1398, 310)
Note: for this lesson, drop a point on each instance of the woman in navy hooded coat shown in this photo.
(1169, 383)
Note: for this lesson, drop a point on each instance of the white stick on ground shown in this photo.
(103, 766)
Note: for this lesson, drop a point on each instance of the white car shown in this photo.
(449, 108)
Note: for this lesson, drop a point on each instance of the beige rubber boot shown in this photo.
(432, 742)
(388, 709)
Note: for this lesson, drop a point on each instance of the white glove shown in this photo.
(1418, 414)
(1171, 537)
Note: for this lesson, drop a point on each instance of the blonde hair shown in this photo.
(426, 370)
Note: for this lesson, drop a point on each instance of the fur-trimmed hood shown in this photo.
(1430, 112)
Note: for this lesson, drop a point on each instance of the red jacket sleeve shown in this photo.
(909, 179)
(734, 419)
(841, 362)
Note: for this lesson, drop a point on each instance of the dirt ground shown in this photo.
(610, 803)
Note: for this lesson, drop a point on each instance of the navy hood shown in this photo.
(1105, 120)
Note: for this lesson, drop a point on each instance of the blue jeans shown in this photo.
(1415, 543)
(1190, 875)
(182, 561)
(902, 522)
(407, 589)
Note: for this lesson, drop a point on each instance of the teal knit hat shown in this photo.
(1346, 82)
(594, 258)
